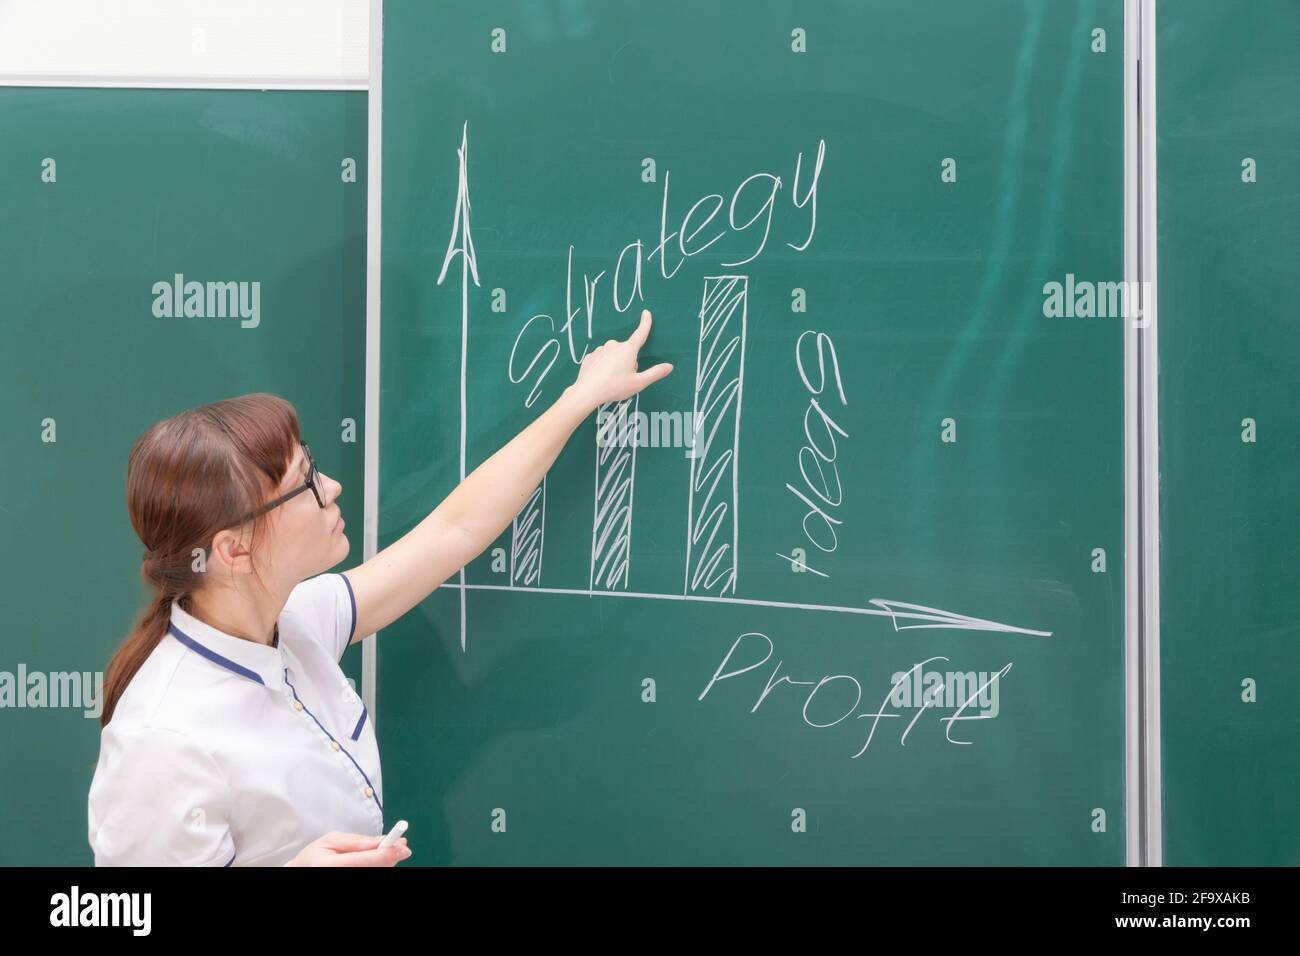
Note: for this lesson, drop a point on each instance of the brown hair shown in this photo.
(188, 477)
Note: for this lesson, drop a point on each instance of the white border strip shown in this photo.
(1153, 823)
(185, 44)
(374, 192)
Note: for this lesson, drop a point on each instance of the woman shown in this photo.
(230, 735)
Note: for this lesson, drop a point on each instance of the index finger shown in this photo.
(642, 331)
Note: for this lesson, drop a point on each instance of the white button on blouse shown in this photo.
(223, 751)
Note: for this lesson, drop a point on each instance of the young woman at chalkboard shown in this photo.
(229, 734)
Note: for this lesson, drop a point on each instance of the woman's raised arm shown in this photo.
(480, 507)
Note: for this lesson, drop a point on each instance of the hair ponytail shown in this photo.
(189, 477)
(150, 626)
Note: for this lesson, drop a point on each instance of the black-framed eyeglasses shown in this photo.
(313, 476)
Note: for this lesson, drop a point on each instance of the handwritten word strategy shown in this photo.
(754, 204)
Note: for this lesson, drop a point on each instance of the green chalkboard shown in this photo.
(103, 193)
(1228, 92)
(972, 155)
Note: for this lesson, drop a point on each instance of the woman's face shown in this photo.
(306, 539)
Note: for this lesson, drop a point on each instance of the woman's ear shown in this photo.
(230, 551)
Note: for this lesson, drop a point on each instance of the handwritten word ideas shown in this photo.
(819, 453)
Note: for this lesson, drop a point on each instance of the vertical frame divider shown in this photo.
(374, 207)
(1143, 843)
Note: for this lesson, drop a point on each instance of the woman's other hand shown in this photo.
(350, 849)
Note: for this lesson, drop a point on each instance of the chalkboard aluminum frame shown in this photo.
(1142, 772)
(374, 193)
(1143, 830)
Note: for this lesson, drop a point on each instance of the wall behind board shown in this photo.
(217, 186)
(560, 707)
(295, 43)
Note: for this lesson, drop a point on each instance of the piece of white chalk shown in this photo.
(394, 835)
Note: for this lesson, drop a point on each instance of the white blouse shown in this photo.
(223, 751)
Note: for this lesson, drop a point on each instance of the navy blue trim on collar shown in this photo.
(353, 598)
(213, 656)
(230, 861)
(374, 795)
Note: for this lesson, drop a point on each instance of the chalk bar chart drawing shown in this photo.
(527, 534)
(712, 533)
(711, 481)
(611, 526)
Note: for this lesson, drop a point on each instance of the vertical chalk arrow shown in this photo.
(462, 243)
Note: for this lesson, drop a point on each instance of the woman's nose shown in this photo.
(333, 489)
